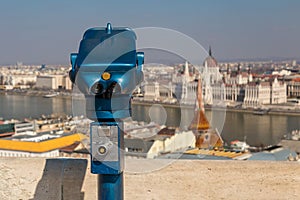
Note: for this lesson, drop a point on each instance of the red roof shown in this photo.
(296, 79)
(265, 83)
(6, 134)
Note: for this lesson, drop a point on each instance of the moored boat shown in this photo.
(51, 95)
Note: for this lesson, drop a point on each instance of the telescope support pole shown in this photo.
(110, 187)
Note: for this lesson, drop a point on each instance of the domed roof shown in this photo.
(210, 61)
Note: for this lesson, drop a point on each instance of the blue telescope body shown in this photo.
(107, 69)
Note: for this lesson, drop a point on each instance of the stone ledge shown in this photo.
(39, 178)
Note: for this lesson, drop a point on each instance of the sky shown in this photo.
(46, 32)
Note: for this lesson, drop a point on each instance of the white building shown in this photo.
(188, 93)
(226, 92)
(293, 88)
(11, 153)
(180, 89)
(185, 87)
(54, 82)
(210, 70)
(240, 78)
(151, 91)
(278, 92)
(282, 72)
(159, 144)
(265, 93)
(17, 79)
(257, 94)
(210, 74)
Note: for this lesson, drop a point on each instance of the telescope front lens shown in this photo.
(97, 88)
(106, 76)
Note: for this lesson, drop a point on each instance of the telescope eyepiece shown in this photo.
(97, 88)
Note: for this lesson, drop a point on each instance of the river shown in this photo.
(257, 129)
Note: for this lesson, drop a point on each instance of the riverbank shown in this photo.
(38, 93)
(275, 110)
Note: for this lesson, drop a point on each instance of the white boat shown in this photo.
(260, 112)
(51, 95)
(241, 146)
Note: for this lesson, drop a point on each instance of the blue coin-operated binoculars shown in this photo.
(107, 69)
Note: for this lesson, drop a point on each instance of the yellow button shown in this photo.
(106, 76)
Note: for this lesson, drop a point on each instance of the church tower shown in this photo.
(205, 137)
(199, 122)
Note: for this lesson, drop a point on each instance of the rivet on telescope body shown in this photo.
(106, 76)
(102, 150)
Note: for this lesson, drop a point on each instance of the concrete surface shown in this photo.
(41, 179)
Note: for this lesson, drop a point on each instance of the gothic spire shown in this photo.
(209, 52)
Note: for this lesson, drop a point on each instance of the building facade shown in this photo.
(54, 82)
(278, 92)
(17, 79)
(257, 94)
(293, 88)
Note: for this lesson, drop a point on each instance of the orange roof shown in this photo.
(199, 122)
(44, 146)
(229, 154)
